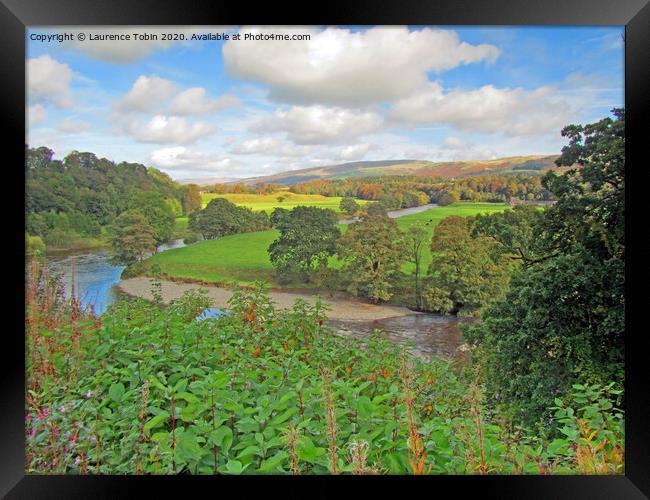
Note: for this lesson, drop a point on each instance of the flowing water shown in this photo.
(95, 276)
(425, 334)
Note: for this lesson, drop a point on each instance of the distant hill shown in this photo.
(533, 164)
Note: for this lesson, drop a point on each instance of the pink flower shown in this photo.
(46, 411)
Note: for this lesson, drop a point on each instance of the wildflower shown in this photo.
(76, 460)
(62, 409)
(46, 411)
(89, 394)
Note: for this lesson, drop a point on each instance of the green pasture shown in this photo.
(243, 258)
(270, 202)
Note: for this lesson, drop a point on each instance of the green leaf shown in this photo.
(116, 392)
(187, 447)
(232, 467)
(155, 422)
(284, 416)
(307, 451)
(222, 437)
(272, 464)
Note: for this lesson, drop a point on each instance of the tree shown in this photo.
(373, 250)
(307, 237)
(191, 199)
(133, 237)
(221, 218)
(416, 237)
(376, 210)
(563, 320)
(518, 232)
(349, 206)
(468, 270)
(448, 197)
(156, 212)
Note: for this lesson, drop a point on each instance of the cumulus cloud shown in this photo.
(487, 109)
(195, 101)
(269, 146)
(146, 94)
(36, 114)
(70, 126)
(341, 67)
(319, 124)
(191, 162)
(163, 129)
(354, 152)
(48, 81)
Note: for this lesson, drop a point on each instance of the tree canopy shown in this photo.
(307, 237)
(373, 252)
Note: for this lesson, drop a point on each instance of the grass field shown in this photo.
(243, 257)
(269, 202)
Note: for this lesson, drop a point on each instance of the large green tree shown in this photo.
(133, 238)
(221, 218)
(307, 238)
(562, 321)
(156, 211)
(373, 251)
(466, 272)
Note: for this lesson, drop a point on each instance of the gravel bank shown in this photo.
(341, 309)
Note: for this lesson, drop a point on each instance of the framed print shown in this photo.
(325, 251)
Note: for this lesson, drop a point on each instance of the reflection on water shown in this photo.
(95, 276)
(430, 334)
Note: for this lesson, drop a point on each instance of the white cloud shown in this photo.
(35, 114)
(487, 109)
(146, 94)
(319, 124)
(48, 81)
(257, 146)
(270, 146)
(194, 162)
(340, 67)
(354, 152)
(163, 129)
(70, 126)
(194, 101)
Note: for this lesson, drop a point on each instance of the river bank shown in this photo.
(341, 309)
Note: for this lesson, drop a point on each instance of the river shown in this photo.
(95, 276)
(96, 279)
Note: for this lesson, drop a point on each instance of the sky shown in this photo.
(202, 109)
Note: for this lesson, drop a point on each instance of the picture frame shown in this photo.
(17, 15)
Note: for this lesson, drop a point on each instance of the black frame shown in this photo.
(17, 14)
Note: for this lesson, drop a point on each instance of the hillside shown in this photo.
(514, 164)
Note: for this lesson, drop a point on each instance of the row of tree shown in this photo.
(83, 193)
(396, 190)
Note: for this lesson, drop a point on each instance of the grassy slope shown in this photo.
(244, 258)
(269, 202)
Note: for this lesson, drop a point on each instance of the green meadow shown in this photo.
(243, 258)
(270, 202)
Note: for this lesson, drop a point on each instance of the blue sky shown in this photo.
(211, 110)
